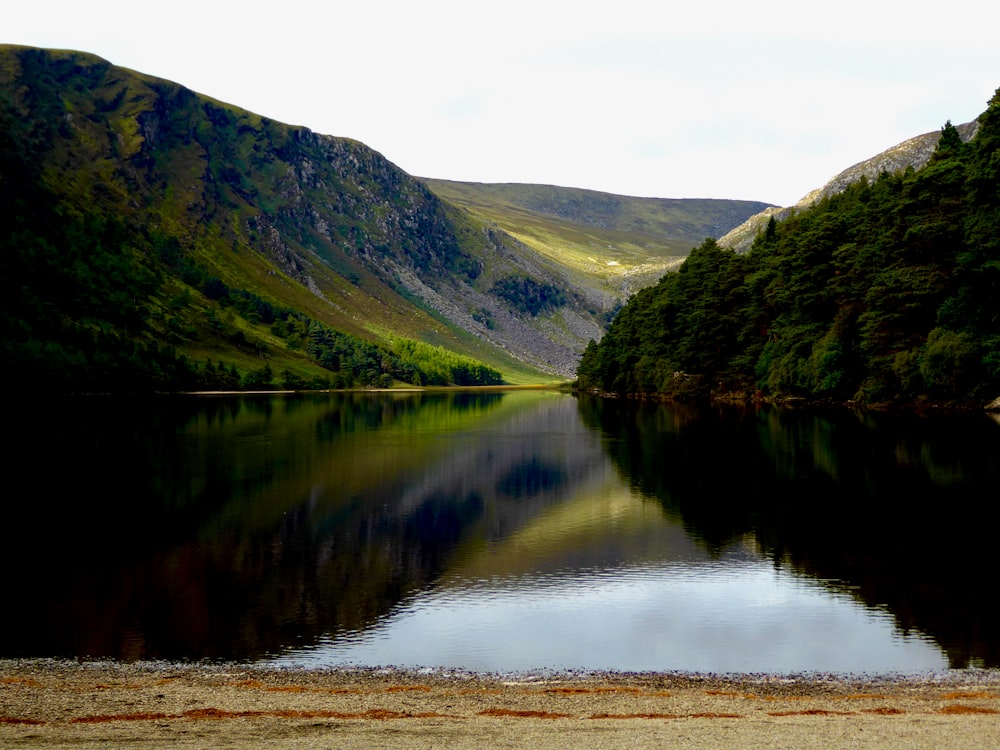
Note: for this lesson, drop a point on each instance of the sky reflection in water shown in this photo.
(738, 613)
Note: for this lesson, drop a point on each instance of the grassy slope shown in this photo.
(617, 243)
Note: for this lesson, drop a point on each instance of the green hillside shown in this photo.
(885, 292)
(616, 243)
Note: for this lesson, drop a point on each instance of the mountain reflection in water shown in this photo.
(500, 531)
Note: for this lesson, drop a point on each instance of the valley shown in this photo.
(154, 236)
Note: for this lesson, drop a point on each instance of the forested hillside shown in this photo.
(886, 292)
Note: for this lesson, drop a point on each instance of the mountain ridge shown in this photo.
(912, 153)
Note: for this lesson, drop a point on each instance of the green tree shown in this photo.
(261, 379)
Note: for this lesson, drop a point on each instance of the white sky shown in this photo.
(727, 99)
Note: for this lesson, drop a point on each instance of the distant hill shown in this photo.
(149, 232)
(912, 153)
(616, 243)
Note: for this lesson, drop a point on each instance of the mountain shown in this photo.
(882, 291)
(614, 243)
(156, 237)
(912, 153)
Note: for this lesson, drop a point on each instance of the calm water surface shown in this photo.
(495, 531)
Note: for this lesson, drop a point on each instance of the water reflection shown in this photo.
(737, 616)
(498, 531)
(900, 509)
(231, 528)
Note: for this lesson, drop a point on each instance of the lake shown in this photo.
(500, 531)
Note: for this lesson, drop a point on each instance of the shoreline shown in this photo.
(740, 398)
(52, 703)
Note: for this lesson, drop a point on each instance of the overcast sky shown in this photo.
(728, 99)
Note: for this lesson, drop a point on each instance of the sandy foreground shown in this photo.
(65, 704)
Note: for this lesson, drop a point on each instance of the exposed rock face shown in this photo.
(914, 152)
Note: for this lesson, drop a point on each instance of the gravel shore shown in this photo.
(55, 704)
